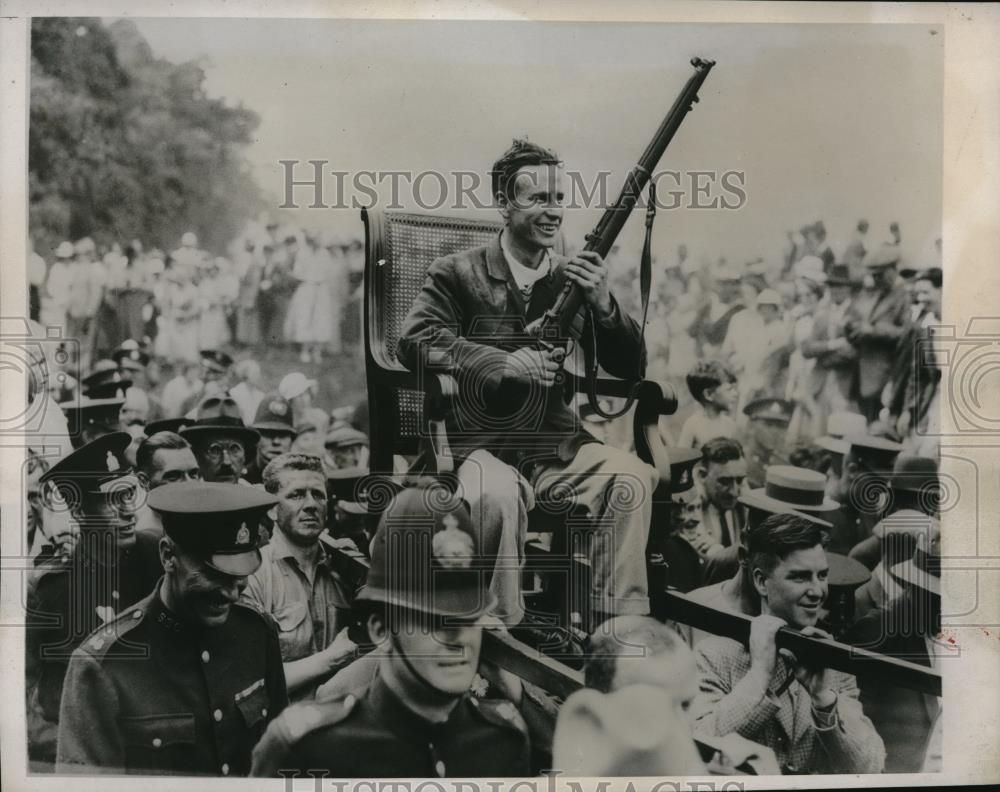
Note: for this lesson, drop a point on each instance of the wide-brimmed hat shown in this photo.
(798, 488)
(220, 415)
(840, 426)
(923, 570)
(886, 255)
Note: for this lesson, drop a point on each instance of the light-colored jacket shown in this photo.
(785, 723)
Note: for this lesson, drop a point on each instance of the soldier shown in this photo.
(89, 419)
(768, 421)
(111, 567)
(427, 591)
(186, 680)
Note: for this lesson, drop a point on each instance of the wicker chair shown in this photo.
(407, 411)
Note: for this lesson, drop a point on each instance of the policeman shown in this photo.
(766, 430)
(426, 592)
(88, 419)
(186, 680)
(111, 567)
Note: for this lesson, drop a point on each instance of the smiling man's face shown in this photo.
(535, 213)
(796, 588)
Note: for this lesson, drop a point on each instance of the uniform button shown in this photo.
(263, 712)
(157, 742)
(137, 614)
(217, 715)
(205, 656)
(225, 769)
(114, 595)
(439, 768)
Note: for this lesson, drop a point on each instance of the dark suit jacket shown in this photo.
(467, 319)
(904, 718)
(889, 315)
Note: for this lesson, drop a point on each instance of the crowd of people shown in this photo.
(188, 613)
(279, 286)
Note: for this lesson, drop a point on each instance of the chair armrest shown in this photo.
(440, 392)
(654, 399)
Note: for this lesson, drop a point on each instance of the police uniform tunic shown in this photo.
(67, 600)
(373, 733)
(151, 694)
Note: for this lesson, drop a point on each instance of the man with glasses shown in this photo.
(221, 442)
(111, 567)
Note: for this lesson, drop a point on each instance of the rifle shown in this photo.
(556, 321)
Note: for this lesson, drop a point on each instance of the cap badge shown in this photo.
(685, 477)
(452, 547)
(243, 535)
(775, 408)
(134, 354)
(278, 407)
(113, 464)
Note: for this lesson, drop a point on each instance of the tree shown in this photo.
(123, 144)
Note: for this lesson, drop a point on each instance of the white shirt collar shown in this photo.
(524, 277)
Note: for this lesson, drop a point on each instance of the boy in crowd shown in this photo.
(713, 386)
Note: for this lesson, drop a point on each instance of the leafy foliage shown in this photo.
(125, 145)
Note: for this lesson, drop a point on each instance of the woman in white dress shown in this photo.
(215, 295)
(311, 320)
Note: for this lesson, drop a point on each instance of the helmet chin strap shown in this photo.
(397, 647)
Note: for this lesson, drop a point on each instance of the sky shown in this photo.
(832, 122)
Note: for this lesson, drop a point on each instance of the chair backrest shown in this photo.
(399, 248)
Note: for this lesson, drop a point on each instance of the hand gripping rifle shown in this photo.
(555, 323)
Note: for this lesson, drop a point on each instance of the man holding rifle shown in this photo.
(811, 717)
(514, 434)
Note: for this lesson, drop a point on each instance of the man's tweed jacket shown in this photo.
(784, 722)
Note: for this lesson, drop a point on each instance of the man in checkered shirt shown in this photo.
(810, 717)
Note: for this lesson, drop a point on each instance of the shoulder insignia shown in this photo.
(501, 713)
(105, 636)
(300, 720)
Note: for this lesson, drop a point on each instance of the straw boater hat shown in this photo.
(923, 570)
(786, 487)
